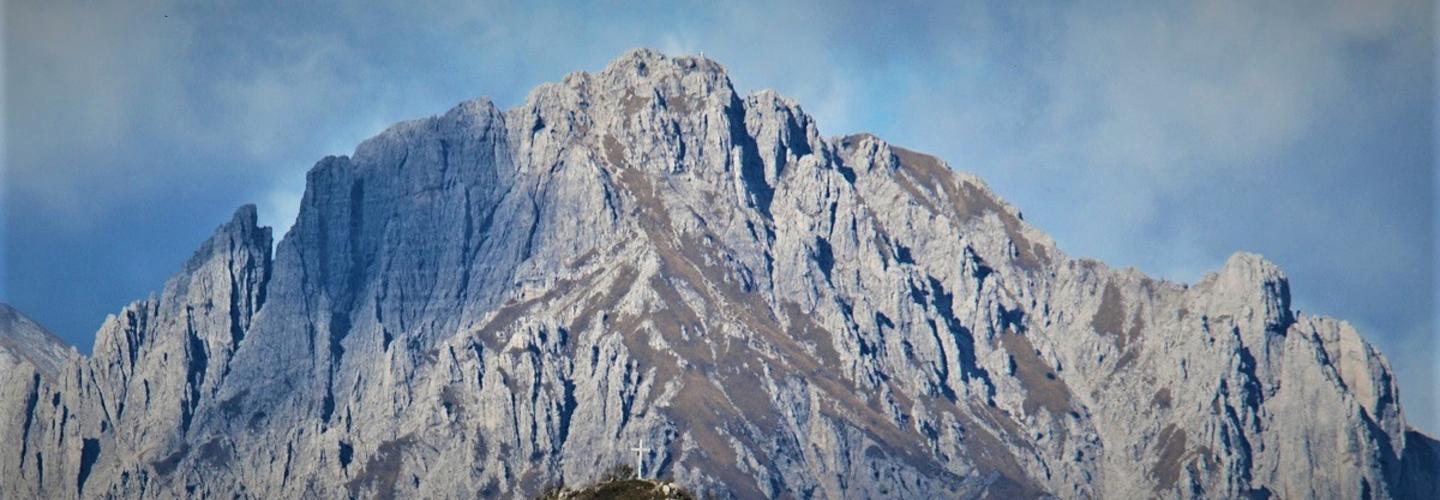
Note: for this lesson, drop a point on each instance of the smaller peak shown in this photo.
(637, 57)
(1252, 266)
(773, 98)
(638, 54)
(481, 106)
(1251, 279)
(647, 64)
(243, 228)
(1245, 269)
(575, 78)
(244, 223)
(245, 216)
(856, 140)
(28, 340)
(472, 114)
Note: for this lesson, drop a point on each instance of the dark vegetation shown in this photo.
(618, 483)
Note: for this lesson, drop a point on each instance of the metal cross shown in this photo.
(640, 452)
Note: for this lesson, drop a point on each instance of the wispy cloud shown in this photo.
(1166, 135)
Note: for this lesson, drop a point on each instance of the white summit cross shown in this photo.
(640, 452)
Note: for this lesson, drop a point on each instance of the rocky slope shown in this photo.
(488, 301)
(25, 342)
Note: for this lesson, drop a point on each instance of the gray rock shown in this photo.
(486, 302)
(22, 340)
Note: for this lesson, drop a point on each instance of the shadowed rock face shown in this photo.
(488, 302)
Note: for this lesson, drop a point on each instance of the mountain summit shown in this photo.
(492, 302)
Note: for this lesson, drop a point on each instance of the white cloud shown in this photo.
(80, 69)
(1211, 86)
(280, 207)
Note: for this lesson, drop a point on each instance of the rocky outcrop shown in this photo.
(22, 340)
(108, 423)
(489, 301)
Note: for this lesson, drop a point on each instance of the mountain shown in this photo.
(22, 340)
(487, 302)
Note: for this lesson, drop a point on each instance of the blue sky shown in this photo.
(1162, 136)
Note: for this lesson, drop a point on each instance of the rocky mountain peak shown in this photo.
(240, 234)
(645, 68)
(1250, 283)
(492, 301)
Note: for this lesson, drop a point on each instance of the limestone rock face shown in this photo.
(487, 301)
(22, 340)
